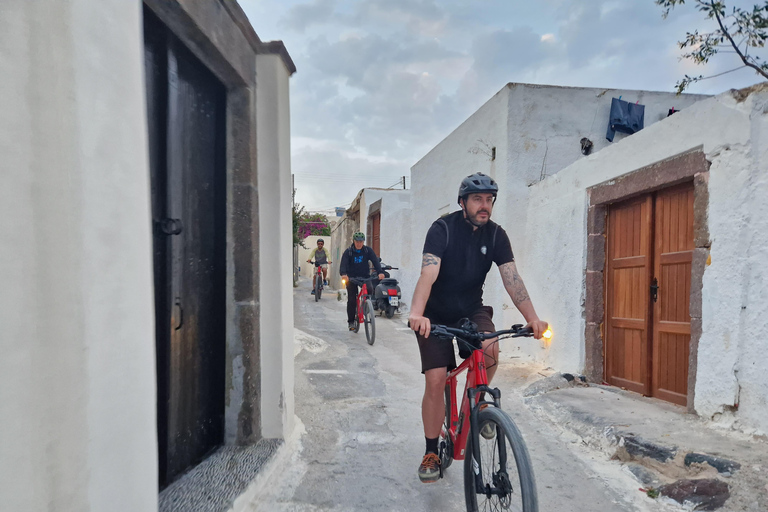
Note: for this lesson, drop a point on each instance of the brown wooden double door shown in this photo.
(648, 288)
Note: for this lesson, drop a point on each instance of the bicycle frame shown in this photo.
(360, 300)
(467, 416)
(477, 380)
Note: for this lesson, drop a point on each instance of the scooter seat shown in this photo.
(389, 282)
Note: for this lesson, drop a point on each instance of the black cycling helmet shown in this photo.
(477, 183)
(359, 236)
(320, 240)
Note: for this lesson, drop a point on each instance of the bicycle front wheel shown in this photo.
(505, 467)
(318, 287)
(370, 324)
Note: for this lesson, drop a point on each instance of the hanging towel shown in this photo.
(625, 117)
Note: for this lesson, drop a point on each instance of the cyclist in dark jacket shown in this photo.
(354, 263)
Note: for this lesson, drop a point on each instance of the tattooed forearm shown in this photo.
(514, 283)
(429, 259)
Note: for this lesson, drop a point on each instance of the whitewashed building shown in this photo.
(644, 255)
(521, 135)
(384, 216)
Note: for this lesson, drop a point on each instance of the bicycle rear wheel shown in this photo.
(370, 323)
(318, 287)
(505, 466)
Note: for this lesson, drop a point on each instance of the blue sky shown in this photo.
(381, 82)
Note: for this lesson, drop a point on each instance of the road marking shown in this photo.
(328, 372)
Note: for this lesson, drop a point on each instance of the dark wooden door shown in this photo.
(156, 78)
(186, 108)
(648, 288)
(629, 257)
(672, 270)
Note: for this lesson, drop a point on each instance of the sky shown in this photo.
(381, 82)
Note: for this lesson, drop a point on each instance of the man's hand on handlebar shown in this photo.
(420, 325)
(538, 327)
(381, 276)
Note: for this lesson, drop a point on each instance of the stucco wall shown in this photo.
(275, 272)
(734, 307)
(393, 202)
(77, 372)
(435, 178)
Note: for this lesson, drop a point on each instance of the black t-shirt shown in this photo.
(466, 256)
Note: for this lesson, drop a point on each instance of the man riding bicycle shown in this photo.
(354, 263)
(458, 253)
(321, 257)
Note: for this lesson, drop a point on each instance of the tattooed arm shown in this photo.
(515, 287)
(430, 268)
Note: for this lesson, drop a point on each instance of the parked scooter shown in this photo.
(386, 296)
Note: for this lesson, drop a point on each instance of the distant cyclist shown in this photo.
(322, 257)
(458, 253)
(354, 263)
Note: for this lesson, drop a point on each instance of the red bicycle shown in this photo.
(318, 281)
(364, 313)
(498, 474)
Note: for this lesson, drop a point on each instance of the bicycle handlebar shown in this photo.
(359, 280)
(443, 331)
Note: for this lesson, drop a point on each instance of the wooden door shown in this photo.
(648, 289)
(629, 257)
(376, 233)
(671, 316)
(186, 108)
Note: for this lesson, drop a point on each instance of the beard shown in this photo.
(473, 218)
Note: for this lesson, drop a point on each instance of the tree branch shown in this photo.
(744, 59)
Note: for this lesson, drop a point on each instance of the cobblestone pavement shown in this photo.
(363, 440)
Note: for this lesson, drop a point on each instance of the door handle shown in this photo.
(170, 226)
(654, 289)
(180, 316)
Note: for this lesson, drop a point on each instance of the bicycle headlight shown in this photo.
(547, 335)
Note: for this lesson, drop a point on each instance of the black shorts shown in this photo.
(439, 353)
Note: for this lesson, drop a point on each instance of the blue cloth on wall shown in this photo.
(625, 117)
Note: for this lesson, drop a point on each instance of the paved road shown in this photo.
(363, 440)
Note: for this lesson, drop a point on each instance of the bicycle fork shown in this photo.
(474, 423)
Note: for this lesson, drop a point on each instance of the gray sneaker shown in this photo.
(429, 470)
(351, 326)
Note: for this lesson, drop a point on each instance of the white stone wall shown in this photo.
(275, 265)
(77, 371)
(731, 354)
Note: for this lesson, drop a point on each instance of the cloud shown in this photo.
(327, 176)
(502, 55)
(301, 16)
(381, 82)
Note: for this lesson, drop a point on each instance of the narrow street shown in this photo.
(363, 439)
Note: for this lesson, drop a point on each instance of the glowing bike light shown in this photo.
(547, 335)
